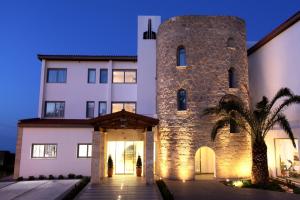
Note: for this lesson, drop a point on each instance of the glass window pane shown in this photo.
(130, 107)
(62, 75)
(181, 57)
(118, 76)
(90, 109)
(102, 108)
(38, 151)
(116, 107)
(130, 76)
(89, 150)
(51, 76)
(103, 75)
(50, 151)
(50, 109)
(82, 151)
(92, 76)
(59, 109)
(181, 95)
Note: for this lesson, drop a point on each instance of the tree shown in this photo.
(256, 122)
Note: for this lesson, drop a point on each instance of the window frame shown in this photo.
(124, 71)
(88, 78)
(45, 109)
(178, 60)
(100, 80)
(99, 107)
(86, 114)
(178, 101)
(57, 69)
(87, 152)
(44, 144)
(232, 82)
(123, 102)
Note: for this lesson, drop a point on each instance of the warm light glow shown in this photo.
(227, 180)
(237, 183)
(183, 181)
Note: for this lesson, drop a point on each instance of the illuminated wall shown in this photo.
(209, 56)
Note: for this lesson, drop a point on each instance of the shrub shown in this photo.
(139, 162)
(166, 194)
(61, 177)
(71, 176)
(110, 163)
(79, 177)
(51, 177)
(42, 177)
(20, 178)
(296, 190)
(31, 178)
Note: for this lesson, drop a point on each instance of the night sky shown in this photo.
(94, 27)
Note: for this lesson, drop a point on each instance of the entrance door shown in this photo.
(205, 161)
(124, 155)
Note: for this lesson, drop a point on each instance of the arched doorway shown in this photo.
(205, 162)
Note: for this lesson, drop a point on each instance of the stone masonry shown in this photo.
(213, 45)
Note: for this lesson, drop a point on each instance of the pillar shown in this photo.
(149, 156)
(98, 160)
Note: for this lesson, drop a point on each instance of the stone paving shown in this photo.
(214, 190)
(121, 188)
(36, 190)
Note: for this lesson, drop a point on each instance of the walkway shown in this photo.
(121, 188)
(35, 190)
(214, 190)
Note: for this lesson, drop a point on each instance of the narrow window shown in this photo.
(91, 75)
(181, 99)
(103, 75)
(90, 106)
(84, 151)
(232, 78)
(124, 76)
(43, 150)
(181, 56)
(230, 43)
(56, 75)
(54, 109)
(128, 106)
(102, 108)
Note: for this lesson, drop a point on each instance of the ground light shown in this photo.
(237, 183)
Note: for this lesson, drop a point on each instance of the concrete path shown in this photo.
(121, 188)
(214, 190)
(34, 190)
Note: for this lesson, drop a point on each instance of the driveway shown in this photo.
(34, 190)
(214, 190)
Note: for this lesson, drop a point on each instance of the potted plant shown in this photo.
(110, 166)
(139, 166)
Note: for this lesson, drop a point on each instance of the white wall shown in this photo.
(147, 67)
(276, 65)
(66, 161)
(76, 91)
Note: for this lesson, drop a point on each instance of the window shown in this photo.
(103, 75)
(230, 43)
(102, 108)
(181, 56)
(231, 78)
(84, 151)
(91, 75)
(43, 150)
(90, 107)
(128, 106)
(54, 109)
(181, 99)
(56, 75)
(124, 76)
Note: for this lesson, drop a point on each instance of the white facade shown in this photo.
(273, 66)
(66, 161)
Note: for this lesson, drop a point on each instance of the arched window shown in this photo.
(181, 99)
(230, 43)
(181, 56)
(232, 78)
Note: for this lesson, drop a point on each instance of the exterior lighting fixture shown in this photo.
(183, 181)
(227, 180)
(237, 183)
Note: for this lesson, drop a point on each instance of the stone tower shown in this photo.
(215, 50)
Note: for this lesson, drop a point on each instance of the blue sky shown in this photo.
(94, 27)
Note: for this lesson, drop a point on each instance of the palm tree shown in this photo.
(257, 122)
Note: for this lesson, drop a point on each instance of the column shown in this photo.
(102, 153)
(149, 156)
(95, 164)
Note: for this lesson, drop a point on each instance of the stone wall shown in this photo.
(209, 57)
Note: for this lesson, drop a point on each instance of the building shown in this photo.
(149, 105)
(273, 64)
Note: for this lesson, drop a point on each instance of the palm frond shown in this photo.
(283, 92)
(221, 123)
(211, 111)
(285, 125)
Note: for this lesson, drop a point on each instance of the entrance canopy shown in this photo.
(123, 120)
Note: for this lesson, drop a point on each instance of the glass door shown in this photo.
(129, 157)
(120, 157)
